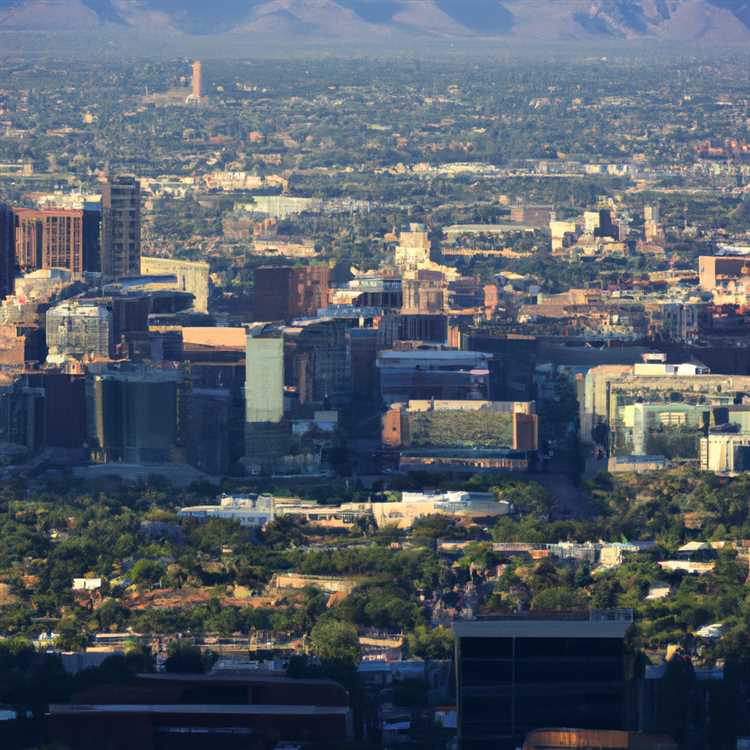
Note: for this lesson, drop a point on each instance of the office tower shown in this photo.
(197, 80)
(65, 404)
(266, 432)
(7, 251)
(121, 227)
(208, 432)
(413, 248)
(264, 379)
(286, 292)
(78, 329)
(317, 362)
(53, 238)
(133, 415)
(189, 276)
(652, 231)
(22, 418)
(518, 674)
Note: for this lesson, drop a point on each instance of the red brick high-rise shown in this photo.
(53, 238)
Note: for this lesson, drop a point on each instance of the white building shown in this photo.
(249, 511)
(459, 504)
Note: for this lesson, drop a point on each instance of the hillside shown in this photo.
(398, 20)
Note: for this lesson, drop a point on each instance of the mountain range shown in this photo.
(719, 21)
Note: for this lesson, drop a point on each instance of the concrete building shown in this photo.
(563, 233)
(248, 510)
(440, 374)
(189, 276)
(133, 414)
(426, 292)
(57, 238)
(457, 504)
(461, 424)
(717, 270)
(121, 227)
(7, 250)
(79, 329)
(413, 248)
(533, 215)
(659, 409)
(725, 452)
(516, 674)
(652, 230)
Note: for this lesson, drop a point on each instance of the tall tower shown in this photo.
(197, 80)
(7, 250)
(121, 227)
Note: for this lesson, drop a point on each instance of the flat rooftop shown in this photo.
(594, 624)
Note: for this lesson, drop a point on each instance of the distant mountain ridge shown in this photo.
(679, 20)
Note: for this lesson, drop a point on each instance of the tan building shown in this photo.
(190, 276)
(197, 92)
(414, 505)
(413, 248)
(717, 270)
(725, 453)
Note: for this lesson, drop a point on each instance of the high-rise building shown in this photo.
(518, 674)
(7, 251)
(57, 238)
(121, 227)
(264, 379)
(413, 248)
(266, 431)
(286, 292)
(197, 80)
(189, 276)
(134, 415)
(76, 329)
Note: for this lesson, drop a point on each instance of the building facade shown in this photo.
(121, 227)
(283, 293)
(190, 276)
(80, 330)
(134, 415)
(57, 238)
(515, 675)
(7, 250)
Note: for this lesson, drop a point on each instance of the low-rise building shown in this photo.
(414, 505)
(248, 510)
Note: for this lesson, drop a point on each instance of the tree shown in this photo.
(335, 641)
(184, 658)
(431, 643)
(559, 598)
(147, 571)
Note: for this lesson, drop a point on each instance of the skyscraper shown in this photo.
(288, 292)
(266, 431)
(58, 238)
(197, 80)
(121, 227)
(7, 253)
